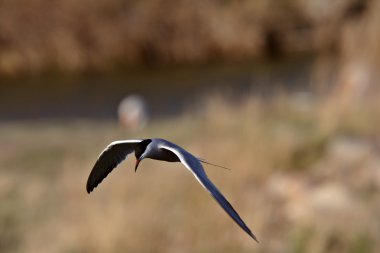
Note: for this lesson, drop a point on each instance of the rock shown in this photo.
(133, 114)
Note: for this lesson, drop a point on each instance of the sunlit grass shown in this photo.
(286, 162)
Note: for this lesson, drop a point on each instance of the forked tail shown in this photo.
(206, 162)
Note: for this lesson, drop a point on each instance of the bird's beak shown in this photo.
(137, 164)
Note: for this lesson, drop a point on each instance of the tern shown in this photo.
(159, 149)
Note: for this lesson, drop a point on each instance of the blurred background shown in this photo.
(285, 93)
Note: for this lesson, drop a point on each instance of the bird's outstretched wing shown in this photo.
(112, 155)
(194, 165)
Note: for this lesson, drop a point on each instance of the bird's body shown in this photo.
(154, 150)
(159, 149)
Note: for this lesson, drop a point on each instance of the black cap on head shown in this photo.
(141, 147)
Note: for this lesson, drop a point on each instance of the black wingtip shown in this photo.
(89, 187)
(249, 232)
(254, 238)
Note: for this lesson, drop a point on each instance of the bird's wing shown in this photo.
(193, 164)
(112, 155)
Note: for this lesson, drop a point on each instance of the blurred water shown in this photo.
(168, 91)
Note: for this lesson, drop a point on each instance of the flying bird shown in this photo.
(159, 149)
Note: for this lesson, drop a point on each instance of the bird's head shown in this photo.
(140, 151)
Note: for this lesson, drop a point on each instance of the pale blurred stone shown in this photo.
(133, 114)
(305, 202)
(330, 198)
(348, 150)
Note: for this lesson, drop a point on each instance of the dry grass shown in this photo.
(305, 178)
(39, 36)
